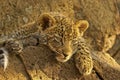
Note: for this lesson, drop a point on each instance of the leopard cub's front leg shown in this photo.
(83, 59)
(9, 46)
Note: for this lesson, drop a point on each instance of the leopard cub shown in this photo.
(64, 37)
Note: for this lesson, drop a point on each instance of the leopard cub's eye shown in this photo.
(56, 43)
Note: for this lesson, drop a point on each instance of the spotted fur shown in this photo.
(64, 37)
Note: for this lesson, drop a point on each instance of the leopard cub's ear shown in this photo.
(82, 25)
(45, 21)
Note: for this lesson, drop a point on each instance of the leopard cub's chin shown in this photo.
(63, 58)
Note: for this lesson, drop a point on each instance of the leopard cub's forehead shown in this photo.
(62, 23)
(59, 17)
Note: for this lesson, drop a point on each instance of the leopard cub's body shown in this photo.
(64, 37)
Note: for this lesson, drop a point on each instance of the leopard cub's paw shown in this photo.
(13, 46)
(3, 58)
(84, 63)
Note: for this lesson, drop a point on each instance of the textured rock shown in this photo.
(102, 16)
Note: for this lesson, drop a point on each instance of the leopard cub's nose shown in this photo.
(1, 51)
(65, 55)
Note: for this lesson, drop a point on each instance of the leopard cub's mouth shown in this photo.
(63, 57)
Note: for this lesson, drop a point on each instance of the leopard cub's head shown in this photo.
(60, 33)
